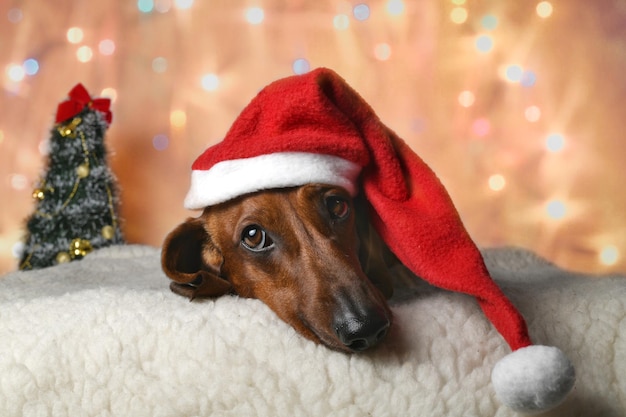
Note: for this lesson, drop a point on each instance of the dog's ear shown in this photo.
(374, 256)
(190, 258)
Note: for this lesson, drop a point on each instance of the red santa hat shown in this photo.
(316, 128)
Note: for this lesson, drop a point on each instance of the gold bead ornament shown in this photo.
(63, 257)
(108, 232)
(83, 170)
(79, 248)
(39, 194)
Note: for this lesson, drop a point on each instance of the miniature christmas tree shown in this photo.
(76, 209)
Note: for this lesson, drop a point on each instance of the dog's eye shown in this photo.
(337, 207)
(256, 239)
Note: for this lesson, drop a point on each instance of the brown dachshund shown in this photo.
(307, 252)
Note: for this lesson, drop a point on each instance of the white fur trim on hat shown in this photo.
(533, 379)
(232, 178)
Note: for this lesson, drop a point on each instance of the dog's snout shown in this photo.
(360, 332)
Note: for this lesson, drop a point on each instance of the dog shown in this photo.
(307, 252)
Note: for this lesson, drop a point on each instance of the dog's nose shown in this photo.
(361, 332)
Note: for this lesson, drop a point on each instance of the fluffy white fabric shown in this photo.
(233, 178)
(533, 379)
(105, 337)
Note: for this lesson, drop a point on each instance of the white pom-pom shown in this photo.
(533, 379)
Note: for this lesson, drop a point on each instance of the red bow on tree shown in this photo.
(79, 99)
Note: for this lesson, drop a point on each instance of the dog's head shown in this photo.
(308, 252)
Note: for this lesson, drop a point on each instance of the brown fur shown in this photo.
(324, 274)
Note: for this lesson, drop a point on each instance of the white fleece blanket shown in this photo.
(105, 337)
